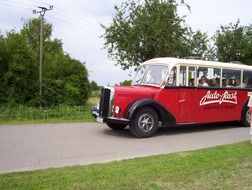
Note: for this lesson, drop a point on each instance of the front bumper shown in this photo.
(114, 120)
(98, 118)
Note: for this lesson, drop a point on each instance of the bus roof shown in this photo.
(194, 62)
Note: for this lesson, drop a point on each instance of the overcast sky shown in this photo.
(76, 23)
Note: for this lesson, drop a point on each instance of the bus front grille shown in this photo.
(104, 102)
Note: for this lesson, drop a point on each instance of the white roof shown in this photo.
(194, 62)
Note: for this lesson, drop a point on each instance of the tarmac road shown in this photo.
(30, 147)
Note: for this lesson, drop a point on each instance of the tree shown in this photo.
(94, 86)
(3, 68)
(65, 80)
(126, 83)
(21, 73)
(141, 31)
(31, 31)
(234, 43)
(198, 43)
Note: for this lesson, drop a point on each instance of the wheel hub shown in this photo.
(146, 122)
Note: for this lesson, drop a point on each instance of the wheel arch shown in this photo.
(164, 115)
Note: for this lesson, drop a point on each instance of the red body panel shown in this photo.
(187, 105)
(126, 96)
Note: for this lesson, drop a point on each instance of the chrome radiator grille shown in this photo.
(106, 102)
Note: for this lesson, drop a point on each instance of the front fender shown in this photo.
(164, 115)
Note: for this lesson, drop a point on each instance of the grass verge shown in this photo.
(21, 114)
(223, 167)
(58, 114)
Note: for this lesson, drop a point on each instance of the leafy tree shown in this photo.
(21, 74)
(125, 83)
(141, 31)
(94, 86)
(3, 68)
(31, 31)
(234, 43)
(198, 43)
(65, 79)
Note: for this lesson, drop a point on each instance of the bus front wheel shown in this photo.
(144, 123)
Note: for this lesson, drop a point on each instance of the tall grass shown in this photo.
(62, 113)
(26, 114)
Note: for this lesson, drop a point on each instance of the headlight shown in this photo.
(117, 109)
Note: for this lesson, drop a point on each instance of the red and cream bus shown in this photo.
(173, 92)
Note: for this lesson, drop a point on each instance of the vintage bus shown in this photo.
(173, 92)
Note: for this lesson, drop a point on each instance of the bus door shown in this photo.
(186, 95)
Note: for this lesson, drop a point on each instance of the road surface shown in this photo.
(29, 147)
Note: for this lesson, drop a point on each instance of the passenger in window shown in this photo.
(227, 83)
(218, 81)
(236, 83)
(191, 82)
(203, 82)
(249, 84)
(214, 82)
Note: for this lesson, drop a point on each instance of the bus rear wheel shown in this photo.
(246, 117)
(144, 123)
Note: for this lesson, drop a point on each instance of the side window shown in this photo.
(172, 77)
(231, 78)
(214, 75)
(247, 79)
(192, 76)
(182, 76)
(202, 77)
(209, 77)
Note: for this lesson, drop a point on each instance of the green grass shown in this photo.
(224, 167)
(59, 114)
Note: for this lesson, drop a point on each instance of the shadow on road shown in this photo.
(184, 129)
(125, 133)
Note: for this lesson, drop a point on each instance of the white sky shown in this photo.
(76, 23)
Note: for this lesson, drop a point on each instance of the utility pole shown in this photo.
(42, 12)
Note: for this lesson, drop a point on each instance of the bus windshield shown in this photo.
(153, 75)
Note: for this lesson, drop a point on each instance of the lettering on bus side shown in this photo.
(217, 98)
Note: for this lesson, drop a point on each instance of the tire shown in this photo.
(246, 117)
(116, 126)
(144, 123)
